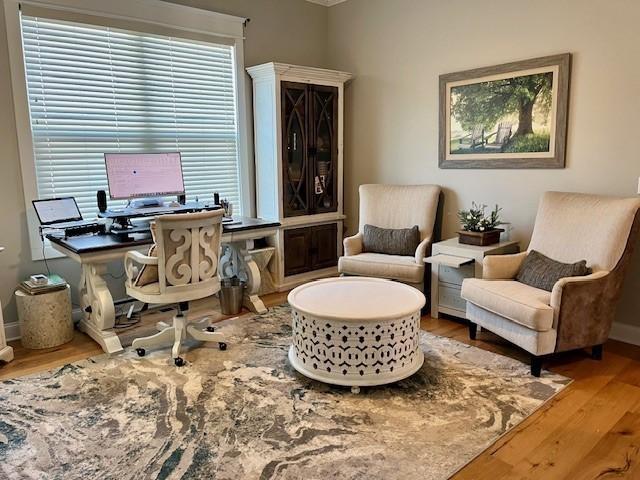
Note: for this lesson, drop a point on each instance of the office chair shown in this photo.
(180, 267)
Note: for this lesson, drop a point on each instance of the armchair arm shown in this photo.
(502, 267)
(132, 260)
(353, 245)
(423, 250)
(568, 282)
(583, 310)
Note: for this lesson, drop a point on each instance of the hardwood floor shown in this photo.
(591, 430)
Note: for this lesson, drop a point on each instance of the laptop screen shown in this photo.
(57, 210)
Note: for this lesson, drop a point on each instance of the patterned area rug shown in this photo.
(246, 414)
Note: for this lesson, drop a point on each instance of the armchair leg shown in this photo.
(596, 352)
(473, 330)
(536, 365)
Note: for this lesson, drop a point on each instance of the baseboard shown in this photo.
(624, 332)
(12, 330)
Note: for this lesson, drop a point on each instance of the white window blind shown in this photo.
(94, 90)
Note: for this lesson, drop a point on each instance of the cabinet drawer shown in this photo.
(454, 276)
(449, 296)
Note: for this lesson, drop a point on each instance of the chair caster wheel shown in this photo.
(178, 361)
(222, 346)
(211, 328)
(141, 352)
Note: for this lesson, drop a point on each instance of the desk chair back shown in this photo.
(188, 247)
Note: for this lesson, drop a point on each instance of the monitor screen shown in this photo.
(57, 210)
(135, 175)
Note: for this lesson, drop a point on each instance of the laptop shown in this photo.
(59, 213)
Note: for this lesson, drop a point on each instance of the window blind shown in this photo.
(94, 90)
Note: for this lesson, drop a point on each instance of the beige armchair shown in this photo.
(393, 206)
(579, 311)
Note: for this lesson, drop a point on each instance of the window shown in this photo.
(93, 90)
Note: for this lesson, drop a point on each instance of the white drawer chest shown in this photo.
(452, 262)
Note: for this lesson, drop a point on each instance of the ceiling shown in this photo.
(327, 3)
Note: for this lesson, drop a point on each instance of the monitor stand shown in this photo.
(147, 203)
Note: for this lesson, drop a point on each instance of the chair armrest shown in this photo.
(423, 250)
(353, 245)
(564, 284)
(502, 267)
(131, 261)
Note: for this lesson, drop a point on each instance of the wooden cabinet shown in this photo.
(310, 248)
(310, 148)
(298, 132)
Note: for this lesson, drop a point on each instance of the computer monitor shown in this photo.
(137, 175)
(57, 210)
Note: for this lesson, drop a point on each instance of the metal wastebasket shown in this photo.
(231, 293)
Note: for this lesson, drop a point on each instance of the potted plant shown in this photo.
(477, 227)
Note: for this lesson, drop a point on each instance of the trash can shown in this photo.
(231, 293)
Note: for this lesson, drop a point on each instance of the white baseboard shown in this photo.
(624, 332)
(12, 330)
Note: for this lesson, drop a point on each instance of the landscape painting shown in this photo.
(507, 116)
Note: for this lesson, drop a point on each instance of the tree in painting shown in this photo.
(516, 110)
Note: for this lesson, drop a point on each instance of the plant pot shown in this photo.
(481, 239)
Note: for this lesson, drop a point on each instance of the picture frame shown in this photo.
(505, 116)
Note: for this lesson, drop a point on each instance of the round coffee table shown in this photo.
(356, 331)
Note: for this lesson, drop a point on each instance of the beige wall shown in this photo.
(292, 31)
(397, 49)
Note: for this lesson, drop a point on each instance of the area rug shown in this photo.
(245, 413)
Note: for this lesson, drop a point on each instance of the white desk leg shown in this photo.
(236, 261)
(97, 305)
(6, 352)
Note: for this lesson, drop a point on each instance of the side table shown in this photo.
(452, 262)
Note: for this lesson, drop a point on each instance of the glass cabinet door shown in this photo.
(324, 148)
(295, 163)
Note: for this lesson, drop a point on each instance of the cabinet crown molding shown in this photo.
(302, 73)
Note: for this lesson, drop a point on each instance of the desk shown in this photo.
(94, 252)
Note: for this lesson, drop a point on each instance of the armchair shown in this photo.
(393, 206)
(187, 247)
(579, 311)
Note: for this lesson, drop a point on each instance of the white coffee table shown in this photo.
(356, 331)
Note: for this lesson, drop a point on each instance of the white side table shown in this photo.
(452, 262)
(6, 352)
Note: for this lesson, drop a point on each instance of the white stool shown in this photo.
(45, 319)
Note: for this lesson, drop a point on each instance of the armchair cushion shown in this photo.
(543, 272)
(392, 241)
(396, 267)
(520, 303)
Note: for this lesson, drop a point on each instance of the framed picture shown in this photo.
(507, 116)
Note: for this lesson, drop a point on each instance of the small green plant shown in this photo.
(476, 220)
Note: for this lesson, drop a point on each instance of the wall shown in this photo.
(398, 49)
(291, 31)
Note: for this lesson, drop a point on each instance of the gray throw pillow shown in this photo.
(542, 272)
(392, 241)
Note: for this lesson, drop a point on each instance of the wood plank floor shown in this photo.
(591, 430)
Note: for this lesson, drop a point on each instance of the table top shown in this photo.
(108, 241)
(454, 242)
(356, 299)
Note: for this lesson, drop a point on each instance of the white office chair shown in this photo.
(186, 260)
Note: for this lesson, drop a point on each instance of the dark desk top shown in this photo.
(108, 241)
